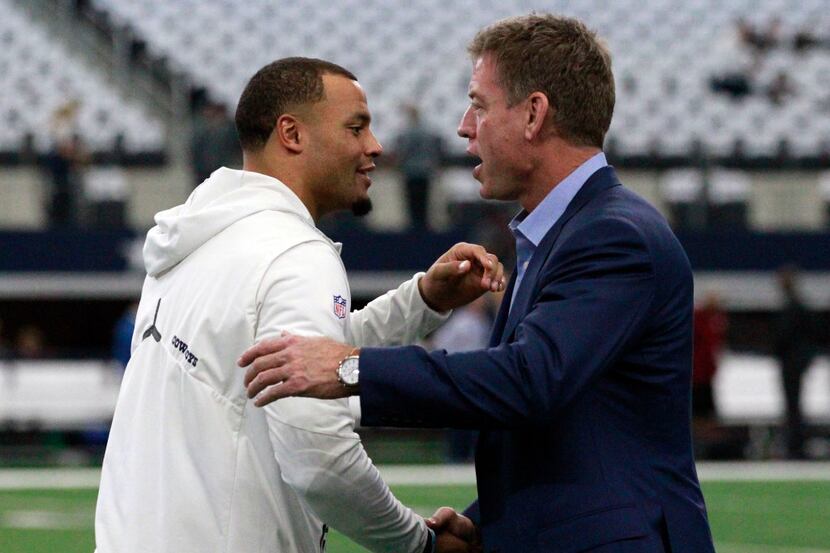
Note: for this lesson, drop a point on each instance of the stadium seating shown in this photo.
(57, 394)
(40, 75)
(665, 54)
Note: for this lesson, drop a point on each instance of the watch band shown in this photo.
(430, 546)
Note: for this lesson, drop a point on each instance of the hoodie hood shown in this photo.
(223, 199)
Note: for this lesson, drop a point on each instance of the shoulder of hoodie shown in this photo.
(308, 256)
(270, 233)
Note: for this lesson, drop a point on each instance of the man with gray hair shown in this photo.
(583, 395)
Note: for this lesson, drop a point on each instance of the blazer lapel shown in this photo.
(601, 180)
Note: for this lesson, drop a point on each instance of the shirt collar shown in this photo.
(535, 225)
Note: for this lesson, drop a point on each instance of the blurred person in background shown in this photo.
(745, 34)
(737, 61)
(5, 349)
(795, 347)
(191, 465)
(122, 336)
(770, 37)
(419, 153)
(807, 38)
(214, 142)
(710, 326)
(780, 89)
(583, 397)
(65, 164)
(30, 343)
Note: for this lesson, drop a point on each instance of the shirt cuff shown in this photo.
(418, 300)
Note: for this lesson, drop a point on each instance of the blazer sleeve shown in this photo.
(593, 300)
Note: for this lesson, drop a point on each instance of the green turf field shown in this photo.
(746, 517)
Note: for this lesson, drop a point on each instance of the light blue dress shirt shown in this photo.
(530, 228)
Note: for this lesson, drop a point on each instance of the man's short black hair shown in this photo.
(276, 88)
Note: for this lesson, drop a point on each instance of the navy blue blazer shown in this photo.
(582, 398)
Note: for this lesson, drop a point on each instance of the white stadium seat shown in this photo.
(60, 394)
(415, 52)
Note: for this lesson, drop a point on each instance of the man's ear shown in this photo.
(538, 109)
(289, 133)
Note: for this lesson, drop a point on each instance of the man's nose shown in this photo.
(465, 127)
(375, 149)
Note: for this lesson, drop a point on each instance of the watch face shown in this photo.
(349, 371)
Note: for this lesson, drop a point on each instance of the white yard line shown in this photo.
(426, 475)
(41, 479)
(708, 471)
(764, 471)
(414, 475)
(754, 548)
(46, 520)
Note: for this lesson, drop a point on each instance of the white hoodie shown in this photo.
(191, 464)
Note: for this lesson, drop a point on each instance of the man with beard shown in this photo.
(189, 465)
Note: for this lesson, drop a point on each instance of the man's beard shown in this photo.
(362, 207)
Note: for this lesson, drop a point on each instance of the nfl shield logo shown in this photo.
(340, 307)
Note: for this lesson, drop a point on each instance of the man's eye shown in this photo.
(356, 130)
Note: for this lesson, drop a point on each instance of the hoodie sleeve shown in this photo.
(398, 317)
(320, 455)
